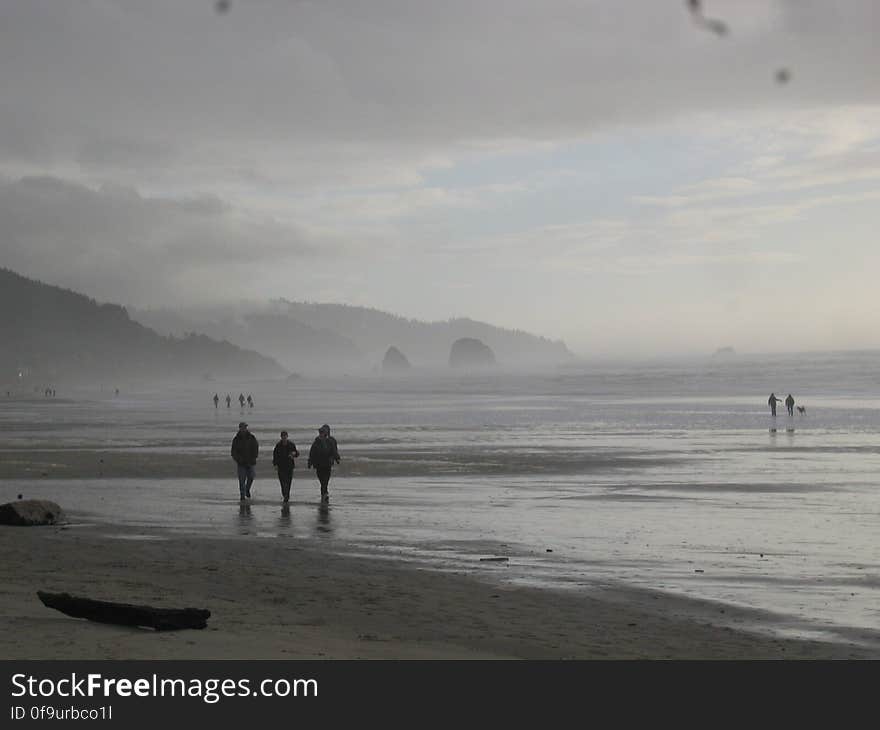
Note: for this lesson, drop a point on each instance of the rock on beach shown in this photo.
(30, 512)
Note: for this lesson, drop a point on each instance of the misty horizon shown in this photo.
(227, 310)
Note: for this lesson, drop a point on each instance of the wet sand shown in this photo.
(709, 505)
(274, 599)
(167, 463)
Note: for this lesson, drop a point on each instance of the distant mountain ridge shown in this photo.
(50, 333)
(341, 337)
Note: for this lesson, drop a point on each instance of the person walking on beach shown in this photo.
(772, 401)
(244, 451)
(228, 400)
(322, 455)
(282, 459)
(216, 400)
(789, 404)
(250, 401)
(241, 399)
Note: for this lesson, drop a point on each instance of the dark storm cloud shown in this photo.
(113, 80)
(124, 153)
(134, 249)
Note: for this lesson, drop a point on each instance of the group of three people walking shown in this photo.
(322, 455)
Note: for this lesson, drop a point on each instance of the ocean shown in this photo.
(661, 476)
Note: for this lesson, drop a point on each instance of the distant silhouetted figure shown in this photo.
(250, 401)
(772, 401)
(282, 459)
(117, 392)
(245, 450)
(789, 404)
(241, 399)
(323, 454)
(216, 400)
(228, 400)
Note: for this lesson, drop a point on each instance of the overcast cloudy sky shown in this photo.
(607, 172)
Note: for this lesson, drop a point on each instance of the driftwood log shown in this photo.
(126, 614)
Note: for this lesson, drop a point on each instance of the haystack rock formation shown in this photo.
(468, 352)
(394, 361)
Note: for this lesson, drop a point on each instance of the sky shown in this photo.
(614, 174)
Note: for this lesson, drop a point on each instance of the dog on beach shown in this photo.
(802, 410)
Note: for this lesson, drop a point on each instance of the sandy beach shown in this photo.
(272, 599)
(633, 530)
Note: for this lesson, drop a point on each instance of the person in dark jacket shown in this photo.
(789, 404)
(323, 454)
(245, 450)
(772, 401)
(282, 459)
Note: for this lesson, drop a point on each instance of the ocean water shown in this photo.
(664, 476)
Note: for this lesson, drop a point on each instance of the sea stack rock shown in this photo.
(394, 361)
(468, 352)
(724, 353)
(30, 512)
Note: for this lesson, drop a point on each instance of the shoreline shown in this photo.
(282, 599)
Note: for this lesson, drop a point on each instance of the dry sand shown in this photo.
(277, 599)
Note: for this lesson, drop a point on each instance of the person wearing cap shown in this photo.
(323, 454)
(245, 450)
(282, 459)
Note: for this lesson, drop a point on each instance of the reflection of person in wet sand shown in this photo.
(772, 401)
(324, 517)
(284, 520)
(789, 404)
(245, 517)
